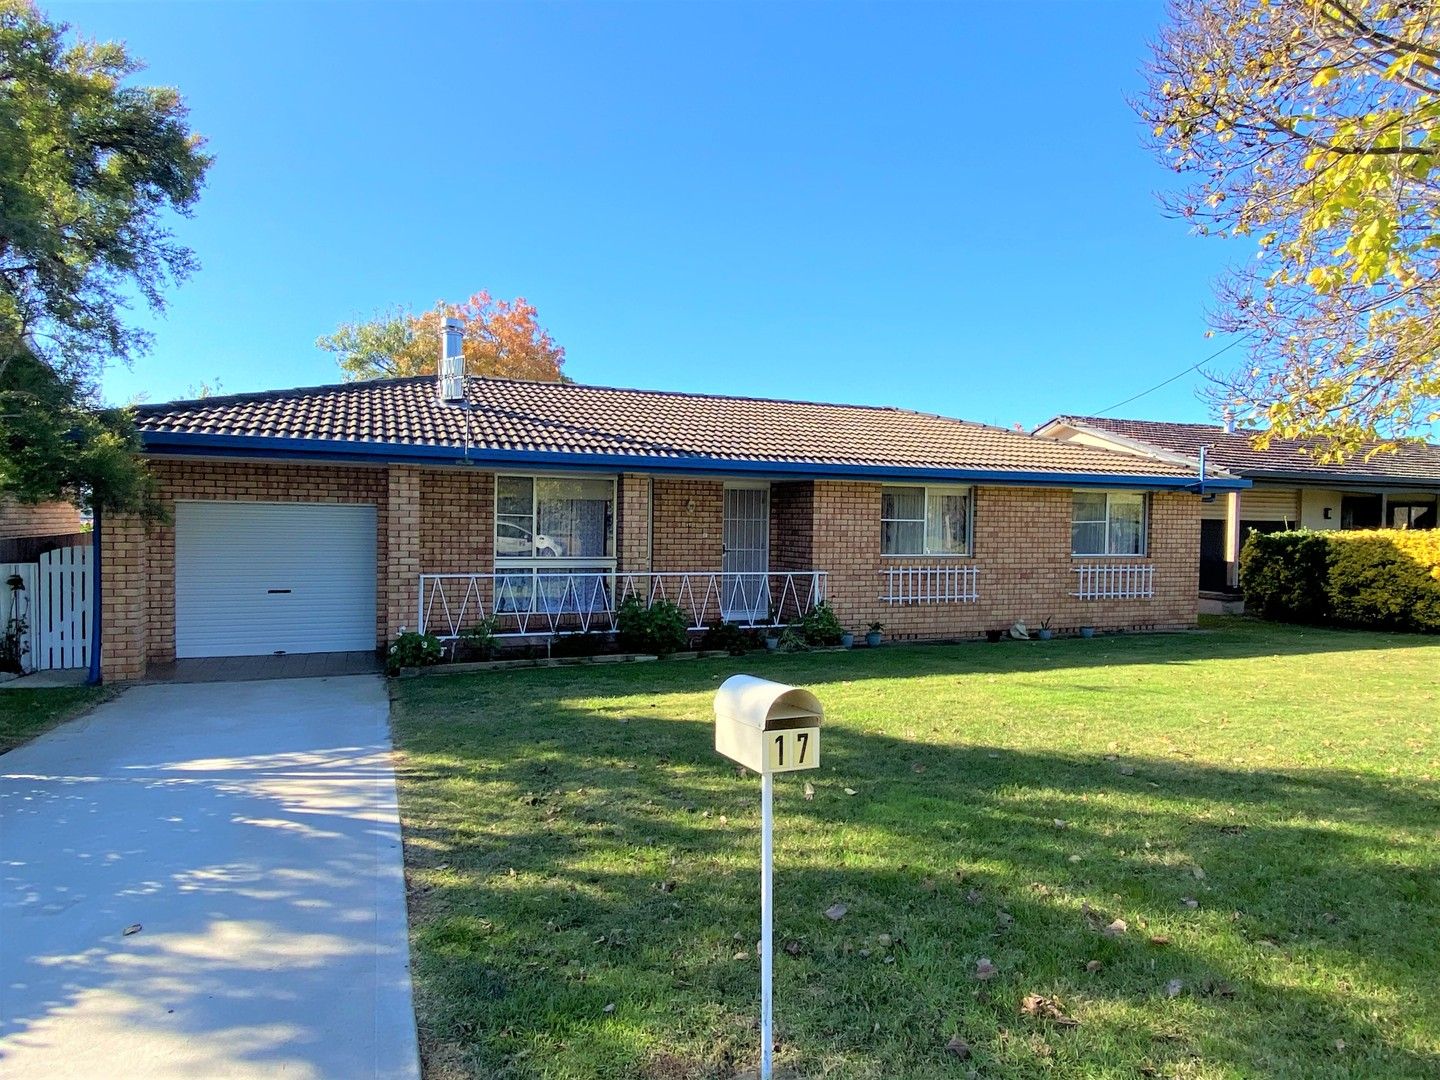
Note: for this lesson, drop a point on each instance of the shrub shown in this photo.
(413, 650)
(662, 628)
(1385, 578)
(1388, 579)
(480, 640)
(820, 626)
(1283, 575)
(735, 640)
(793, 639)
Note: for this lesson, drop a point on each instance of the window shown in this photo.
(1107, 523)
(538, 517)
(925, 521)
(554, 544)
(1411, 512)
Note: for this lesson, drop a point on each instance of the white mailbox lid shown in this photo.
(744, 699)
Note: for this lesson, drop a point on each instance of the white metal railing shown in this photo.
(528, 602)
(1106, 582)
(931, 584)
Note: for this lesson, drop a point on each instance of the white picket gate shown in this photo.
(60, 612)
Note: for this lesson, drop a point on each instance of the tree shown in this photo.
(89, 168)
(502, 339)
(1313, 128)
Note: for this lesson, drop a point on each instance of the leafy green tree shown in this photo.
(1312, 127)
(90, 167)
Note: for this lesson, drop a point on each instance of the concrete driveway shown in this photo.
(249, 830)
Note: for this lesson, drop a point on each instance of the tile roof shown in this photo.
(571, 419)
(1290, 458)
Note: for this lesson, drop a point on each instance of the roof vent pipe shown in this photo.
(1229, 417)
(452, 363)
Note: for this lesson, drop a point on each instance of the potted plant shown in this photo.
(1087, 631)
(873, 632)
(1045, 633)
(772, 638)
(847, 639)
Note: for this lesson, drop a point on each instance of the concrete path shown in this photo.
(250, 831)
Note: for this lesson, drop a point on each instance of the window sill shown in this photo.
(960, 555)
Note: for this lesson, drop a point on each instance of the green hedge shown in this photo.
(1383, 578)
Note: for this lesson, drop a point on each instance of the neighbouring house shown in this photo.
(1289, 488)
(22, 519)
(331, 518)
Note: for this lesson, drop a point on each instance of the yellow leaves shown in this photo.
(1324, 77)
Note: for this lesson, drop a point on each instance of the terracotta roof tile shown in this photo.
(575, 419)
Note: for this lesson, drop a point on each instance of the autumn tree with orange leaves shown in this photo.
(503, 339)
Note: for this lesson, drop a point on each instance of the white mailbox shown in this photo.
(767, 726)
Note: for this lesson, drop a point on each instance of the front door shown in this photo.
(1214, 570)
(745, 561)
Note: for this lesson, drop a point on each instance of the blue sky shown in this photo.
(942, 207)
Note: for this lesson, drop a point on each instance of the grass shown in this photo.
(25, 714)
(1257, 803)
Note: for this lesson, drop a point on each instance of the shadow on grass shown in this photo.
(569, 858)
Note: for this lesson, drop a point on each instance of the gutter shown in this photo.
(193, 444)
(92, 678)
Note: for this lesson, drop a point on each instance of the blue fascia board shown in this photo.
(195, 444)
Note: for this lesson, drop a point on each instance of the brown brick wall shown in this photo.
(38, 519)
(792, 526)
(688, 517)
(1022, 551)
(441, 521)
(632, 523)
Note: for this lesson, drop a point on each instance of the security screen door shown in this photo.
(745, 589)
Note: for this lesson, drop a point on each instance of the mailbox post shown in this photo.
(769, 728)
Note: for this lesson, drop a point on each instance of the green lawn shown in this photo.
(27, 713)
(1258, 804)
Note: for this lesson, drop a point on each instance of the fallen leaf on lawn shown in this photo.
(791, 947)
(1159, 939)
(1116, 928)
(1044, 1008)
(1266, 943)
(974, 896)
(851, 791)
(836, 912)
(917, 767)
(1061, 823)
(1198, 872)
(1074, 858)
(1127, 770)
(1173, 988)
(809, 790)
(959, 1047)
(889, 959)
(742, 956)
(667, 886)
(1339, 1044)
(1004, 920)
(1093, 966)
(984, 969)
(864, 954)
(884, 940)
(133, 928)
(1216, 988)
(610, 1008)
(1190, 902)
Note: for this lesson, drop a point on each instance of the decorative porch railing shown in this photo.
(1102, 582)
(528, 603)
(931, 584)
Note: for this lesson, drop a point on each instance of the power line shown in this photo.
(1180, 375)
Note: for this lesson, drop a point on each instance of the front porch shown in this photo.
(550, 602)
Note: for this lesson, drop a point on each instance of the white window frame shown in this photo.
(1143, 553)
(946, 489)
(543, 562)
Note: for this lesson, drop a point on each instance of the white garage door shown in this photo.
(253, 579)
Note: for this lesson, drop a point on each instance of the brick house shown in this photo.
(1290, 488)
(331, 518)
